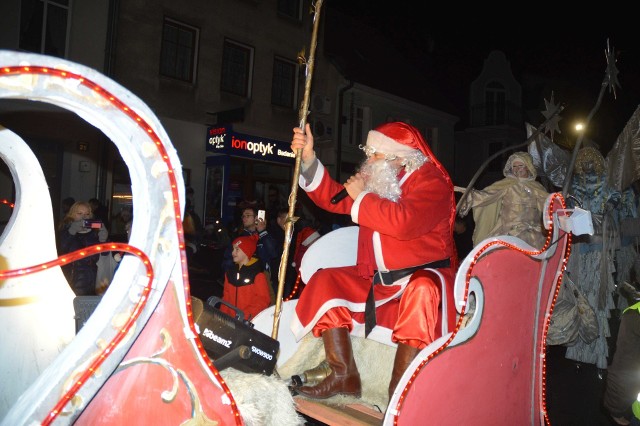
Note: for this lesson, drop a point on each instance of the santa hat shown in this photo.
(247, 244)
(397, 138)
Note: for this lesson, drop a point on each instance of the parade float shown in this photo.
(140, 358)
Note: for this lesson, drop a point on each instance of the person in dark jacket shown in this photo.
(245, 285)
(74, 235)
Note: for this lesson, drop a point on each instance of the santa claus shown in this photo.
(402, 199)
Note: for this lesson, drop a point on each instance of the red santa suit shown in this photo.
(415, 230)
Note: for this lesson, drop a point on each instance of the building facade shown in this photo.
(202, 66)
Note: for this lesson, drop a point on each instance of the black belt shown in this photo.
(388, 278)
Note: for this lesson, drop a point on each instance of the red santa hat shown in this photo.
(247, 244)
(397, 138)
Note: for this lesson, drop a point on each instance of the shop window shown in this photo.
(291, 9)
(44, 26)
(285, 83)
(237, 68)
(179, 52)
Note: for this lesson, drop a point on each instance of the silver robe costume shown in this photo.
(597, 259)
(511, 206)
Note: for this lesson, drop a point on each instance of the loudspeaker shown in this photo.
(233, 342)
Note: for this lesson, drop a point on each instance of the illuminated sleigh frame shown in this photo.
(139, 351)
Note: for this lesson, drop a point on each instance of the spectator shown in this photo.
(623, 380)
(245, 285)
(192, 225)
(266, 250)
(120, 220)
(74, 235)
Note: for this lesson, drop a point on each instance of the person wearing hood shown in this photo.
(511, 206)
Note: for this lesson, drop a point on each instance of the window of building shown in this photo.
(360, 125)
(179, 52)
(291, 9)
(495, 104)
(284, 87)
(237, 68)
(44, 27)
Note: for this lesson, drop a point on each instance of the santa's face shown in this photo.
(381, 175)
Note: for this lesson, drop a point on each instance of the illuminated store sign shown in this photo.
(223, 140)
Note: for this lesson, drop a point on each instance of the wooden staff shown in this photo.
(291, 219)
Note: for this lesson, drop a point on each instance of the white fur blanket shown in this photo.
(374, 361)
(262, 400)
(266, 400)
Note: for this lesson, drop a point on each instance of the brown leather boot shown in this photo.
(404, 355)
(344, 377)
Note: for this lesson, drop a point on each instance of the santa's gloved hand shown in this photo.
(76, 226)
(103, 234)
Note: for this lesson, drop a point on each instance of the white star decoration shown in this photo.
(611, 73)
(552, 114)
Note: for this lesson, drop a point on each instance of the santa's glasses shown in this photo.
(370, 151)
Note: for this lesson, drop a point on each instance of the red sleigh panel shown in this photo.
(491, 371)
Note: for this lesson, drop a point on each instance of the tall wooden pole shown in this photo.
(291, 219)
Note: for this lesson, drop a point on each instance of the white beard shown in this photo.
(381, 177)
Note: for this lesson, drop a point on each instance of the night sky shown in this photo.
(568, 49)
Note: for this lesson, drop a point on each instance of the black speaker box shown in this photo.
(233, 342)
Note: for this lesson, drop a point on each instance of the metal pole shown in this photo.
(291, 219)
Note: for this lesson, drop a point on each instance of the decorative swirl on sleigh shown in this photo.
(141, 291)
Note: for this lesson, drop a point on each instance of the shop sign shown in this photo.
(223, 140)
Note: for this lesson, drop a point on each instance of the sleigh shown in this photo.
(493, 358)
(139, 360)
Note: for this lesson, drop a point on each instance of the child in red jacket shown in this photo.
(245, 285)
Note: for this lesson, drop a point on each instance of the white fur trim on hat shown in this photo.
(386, 145)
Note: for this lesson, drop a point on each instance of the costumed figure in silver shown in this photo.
(592, 264)
(511, 206)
